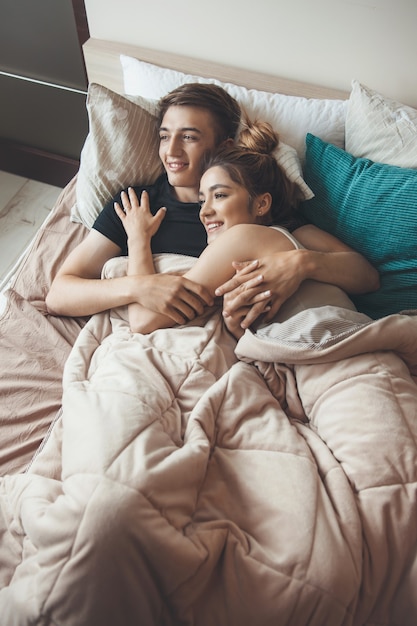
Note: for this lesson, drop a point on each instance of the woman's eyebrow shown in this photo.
(214, 187)
(219, 186)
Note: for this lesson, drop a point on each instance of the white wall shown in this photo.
(326, 42)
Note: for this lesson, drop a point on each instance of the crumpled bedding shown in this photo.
(34, 345)
(206, 484)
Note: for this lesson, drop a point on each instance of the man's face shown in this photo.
(186, 134)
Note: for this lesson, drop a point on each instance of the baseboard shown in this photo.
(36, 164)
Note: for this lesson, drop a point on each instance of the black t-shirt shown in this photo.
(180, 232)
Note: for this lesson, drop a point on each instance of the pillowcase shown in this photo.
(121, 149)
(291, 116)
(373, 208)
(288, 159)
(380, 129)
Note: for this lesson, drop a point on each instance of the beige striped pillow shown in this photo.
(121, 149)
(380, 129)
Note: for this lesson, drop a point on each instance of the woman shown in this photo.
(243, 190)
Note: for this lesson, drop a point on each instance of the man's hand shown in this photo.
(136, 216)
(260, 287)
(245, 297)
(174, 296)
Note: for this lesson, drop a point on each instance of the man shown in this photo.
(195, 119)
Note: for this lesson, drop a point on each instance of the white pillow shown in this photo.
(291, 116)
(380, 129)
(288, 159)
(121, 149)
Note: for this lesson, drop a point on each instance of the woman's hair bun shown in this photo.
(257, 136)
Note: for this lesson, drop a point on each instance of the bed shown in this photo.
(179, 478)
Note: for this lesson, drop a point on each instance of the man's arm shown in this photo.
(329, 260)
(78, 290)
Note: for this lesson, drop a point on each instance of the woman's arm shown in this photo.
(325, 259)
(187, 299)
(214, 266)
(140, 226)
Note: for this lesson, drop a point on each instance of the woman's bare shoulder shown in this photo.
(261, 239)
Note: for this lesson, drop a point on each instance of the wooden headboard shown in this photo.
(104, 67)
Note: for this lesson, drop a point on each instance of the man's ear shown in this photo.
(227, 143)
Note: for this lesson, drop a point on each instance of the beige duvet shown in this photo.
(187, 483)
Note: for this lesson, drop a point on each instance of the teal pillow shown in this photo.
(373, 208)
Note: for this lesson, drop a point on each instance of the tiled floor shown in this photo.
(24, 205)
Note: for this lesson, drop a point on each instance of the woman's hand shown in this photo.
(136, 217)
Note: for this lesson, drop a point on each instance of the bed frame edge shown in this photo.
(102, 59)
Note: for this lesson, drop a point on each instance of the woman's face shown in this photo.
(185, 136)
(223, 202)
